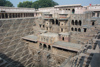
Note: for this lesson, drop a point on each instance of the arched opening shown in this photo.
(53, 22)
(85, 29)
(40, 45)
(73, 11)
(93, 23)
(79, 30)
(63, 38)
(72, 22)
(43, 26)
(49, 47)
(72, 29)
(75, 29)
(56, 22)
(80, 23)
(61, 29)
(44, 46)
(76, 22)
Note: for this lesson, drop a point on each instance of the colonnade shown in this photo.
(15, 15)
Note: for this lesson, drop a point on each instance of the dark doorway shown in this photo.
(2, 15)
(76, 22)
(73, 11)
(80, 23)
(72, 29)
(57, 22)
(72, 22)
(93, 23)
(63, 38)
(44, 46)
(79, 30)
(75, 29)
(53, 22)
(49, 47)
(6, 15)
(61, 29)
(85, 29)
(43, 26)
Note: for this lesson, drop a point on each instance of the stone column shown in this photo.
(95, 14)
(8, 15)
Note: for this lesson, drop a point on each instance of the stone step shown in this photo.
(3, 63)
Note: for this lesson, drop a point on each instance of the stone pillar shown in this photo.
(1, 15)
(8, 15)
(95, 14)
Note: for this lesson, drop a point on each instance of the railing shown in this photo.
(12, 9)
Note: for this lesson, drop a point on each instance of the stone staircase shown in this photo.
(3, 63)
(83, 58)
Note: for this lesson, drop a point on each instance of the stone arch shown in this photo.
(44, 46)
(49, 47)
(76, 22)
(75, 29)
(72, 22)
(79, 30)
(80, 23)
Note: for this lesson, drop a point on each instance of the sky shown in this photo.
(63, 2)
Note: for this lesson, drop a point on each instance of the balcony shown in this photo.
(48, 16)
(63, 17)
